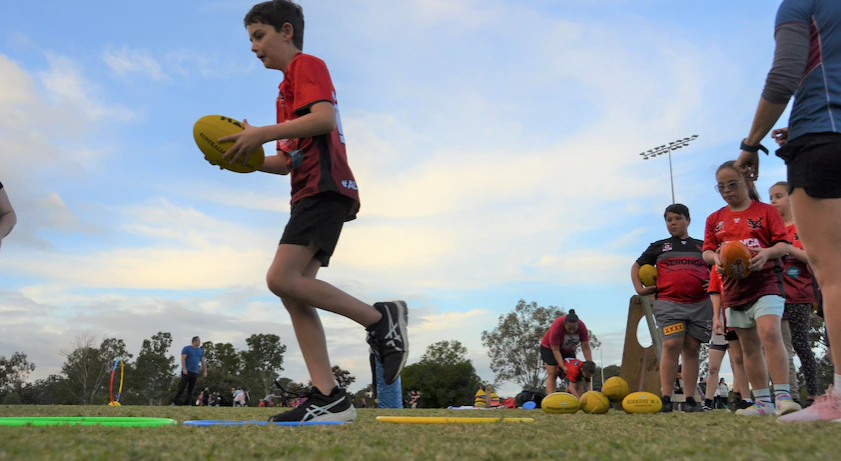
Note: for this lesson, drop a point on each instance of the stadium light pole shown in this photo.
(667, 149)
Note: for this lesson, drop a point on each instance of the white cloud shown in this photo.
(126, 61)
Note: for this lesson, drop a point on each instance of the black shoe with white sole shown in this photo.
(319, 407)
(389, 338)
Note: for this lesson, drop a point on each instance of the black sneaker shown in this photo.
(319, 407)
(667, 405)
(389, 340)
(690, 406)
(808, 403)
(743, 405)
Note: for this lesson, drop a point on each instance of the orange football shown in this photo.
(735, 257)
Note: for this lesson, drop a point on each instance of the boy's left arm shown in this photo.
(319, 121)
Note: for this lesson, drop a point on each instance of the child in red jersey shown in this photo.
(800, 292)
(722, 331)
(311, 146)
(756, 303)
(682, 306)
(578, 373)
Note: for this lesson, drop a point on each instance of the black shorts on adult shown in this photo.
(318, 219)
(731, 336)
(814, 164)
(549, 358)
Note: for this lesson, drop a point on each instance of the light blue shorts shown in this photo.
(766, 305)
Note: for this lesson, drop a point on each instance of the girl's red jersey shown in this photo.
(759, 226)
(797, 275)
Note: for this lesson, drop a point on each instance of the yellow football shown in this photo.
(209, 129)
(648, 275)
(594, 402)
(559, 403)
(641, 403)
(615, 389)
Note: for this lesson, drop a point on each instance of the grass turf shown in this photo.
(613, 436)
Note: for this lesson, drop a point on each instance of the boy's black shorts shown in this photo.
(814, 164)
(318, 219)
(549, 358)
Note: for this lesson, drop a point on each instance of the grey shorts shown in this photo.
(675, 320)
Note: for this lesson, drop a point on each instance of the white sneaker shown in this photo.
(759, 408)
(786, 406)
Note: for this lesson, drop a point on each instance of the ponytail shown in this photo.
(571, 317)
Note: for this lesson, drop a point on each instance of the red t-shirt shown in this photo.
(574, 370)
(681, 269)
(558, 336)
(759, 226)
(323, 160)
(797, 275)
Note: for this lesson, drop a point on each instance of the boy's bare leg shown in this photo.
(287, 280)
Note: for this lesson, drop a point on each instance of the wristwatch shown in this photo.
(756, 148)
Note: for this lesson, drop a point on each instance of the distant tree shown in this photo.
(514, 345)
(88, 368)
(343, 377)
(14, 372)
(154, 369)
(444, 375)
(263, 361)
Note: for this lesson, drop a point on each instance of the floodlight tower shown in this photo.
(667, 149)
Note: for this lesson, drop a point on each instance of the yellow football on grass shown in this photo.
(641, 403)
(559, 403)
(615, 389)
(209, 129)
(594, 402)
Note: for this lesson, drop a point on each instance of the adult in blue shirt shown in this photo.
(190, 357)
(807, 65)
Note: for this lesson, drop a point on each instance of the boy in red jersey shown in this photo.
(310, 146)
(800, 292)
(682, 306)
(560, 342)
(578, 373)
(755, 304)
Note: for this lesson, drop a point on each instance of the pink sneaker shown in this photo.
(826, 408)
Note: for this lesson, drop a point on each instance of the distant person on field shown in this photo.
(191, 357)
(560, 342)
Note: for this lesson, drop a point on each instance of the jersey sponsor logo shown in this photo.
(796, 236)
(571, 342)
(751, 242)
(667, 247)
(349, 184)
(793, 272)
(682, 262)
(672, 329)
(719, 227)
(737, 220)
(755, 224)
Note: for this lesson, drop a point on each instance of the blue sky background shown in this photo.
(495, 144)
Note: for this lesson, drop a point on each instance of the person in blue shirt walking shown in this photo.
(191, 356)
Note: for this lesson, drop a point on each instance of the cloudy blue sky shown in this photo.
(495, 144)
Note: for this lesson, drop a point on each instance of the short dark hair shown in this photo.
(589, 367)
(677, 208)
(571, 317)
(195, 338)
(276, 13)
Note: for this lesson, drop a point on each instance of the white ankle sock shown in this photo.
(837, 386)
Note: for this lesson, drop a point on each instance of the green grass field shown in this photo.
(615, 436)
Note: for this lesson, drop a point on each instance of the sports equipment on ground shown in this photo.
(560, 403)
(615, 389)
(735, 258)
(648, 275)
(641, 403)
(218, 422)
(444, 420)
(116, 402)
(86, 421)
(209, 129)
(594, 402)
